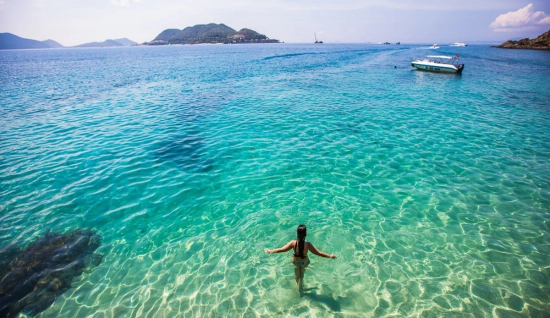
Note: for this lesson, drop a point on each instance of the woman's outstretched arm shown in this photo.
(282, 249)
(319, 253)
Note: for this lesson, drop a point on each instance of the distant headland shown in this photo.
(542, 42)
(10, 41)
(209, 34)
(109, 43)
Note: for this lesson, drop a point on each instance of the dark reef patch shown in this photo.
(187, 152)
(31, 279)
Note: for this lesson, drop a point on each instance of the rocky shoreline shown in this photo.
(542, 42)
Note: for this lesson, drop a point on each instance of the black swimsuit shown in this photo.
(296, 255)
(296, 250)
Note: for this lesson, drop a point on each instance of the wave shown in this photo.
(287, 55)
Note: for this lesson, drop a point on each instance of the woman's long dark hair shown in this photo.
(301, 238)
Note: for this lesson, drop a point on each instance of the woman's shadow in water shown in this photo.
(332, 303)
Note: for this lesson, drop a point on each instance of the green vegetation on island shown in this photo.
(209, 33)
(542, 42)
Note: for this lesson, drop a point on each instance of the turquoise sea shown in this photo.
(432, 189)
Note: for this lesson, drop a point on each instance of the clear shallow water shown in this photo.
(432, 189)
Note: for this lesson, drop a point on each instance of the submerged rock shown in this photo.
(31, 279)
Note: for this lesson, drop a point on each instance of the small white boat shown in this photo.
(439, 63)
(459, 44)
(435, 46)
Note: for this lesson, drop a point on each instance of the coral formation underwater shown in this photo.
(31, 279)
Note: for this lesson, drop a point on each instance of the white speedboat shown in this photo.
(439, 63)
(459, 44)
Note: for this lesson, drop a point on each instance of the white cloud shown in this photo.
(123, 3)
(545, 20)
(524, 18)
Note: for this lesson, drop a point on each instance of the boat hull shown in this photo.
(439, 68)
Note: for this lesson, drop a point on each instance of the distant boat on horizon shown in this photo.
(317, 41)
(459, 44)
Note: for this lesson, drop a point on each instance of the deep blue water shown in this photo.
(432, 189)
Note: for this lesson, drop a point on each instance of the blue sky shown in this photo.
(73, 22)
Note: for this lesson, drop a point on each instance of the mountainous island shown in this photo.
(10, 41)
(542, 42)
(209, 33)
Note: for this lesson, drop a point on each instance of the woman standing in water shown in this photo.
(300, 259)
